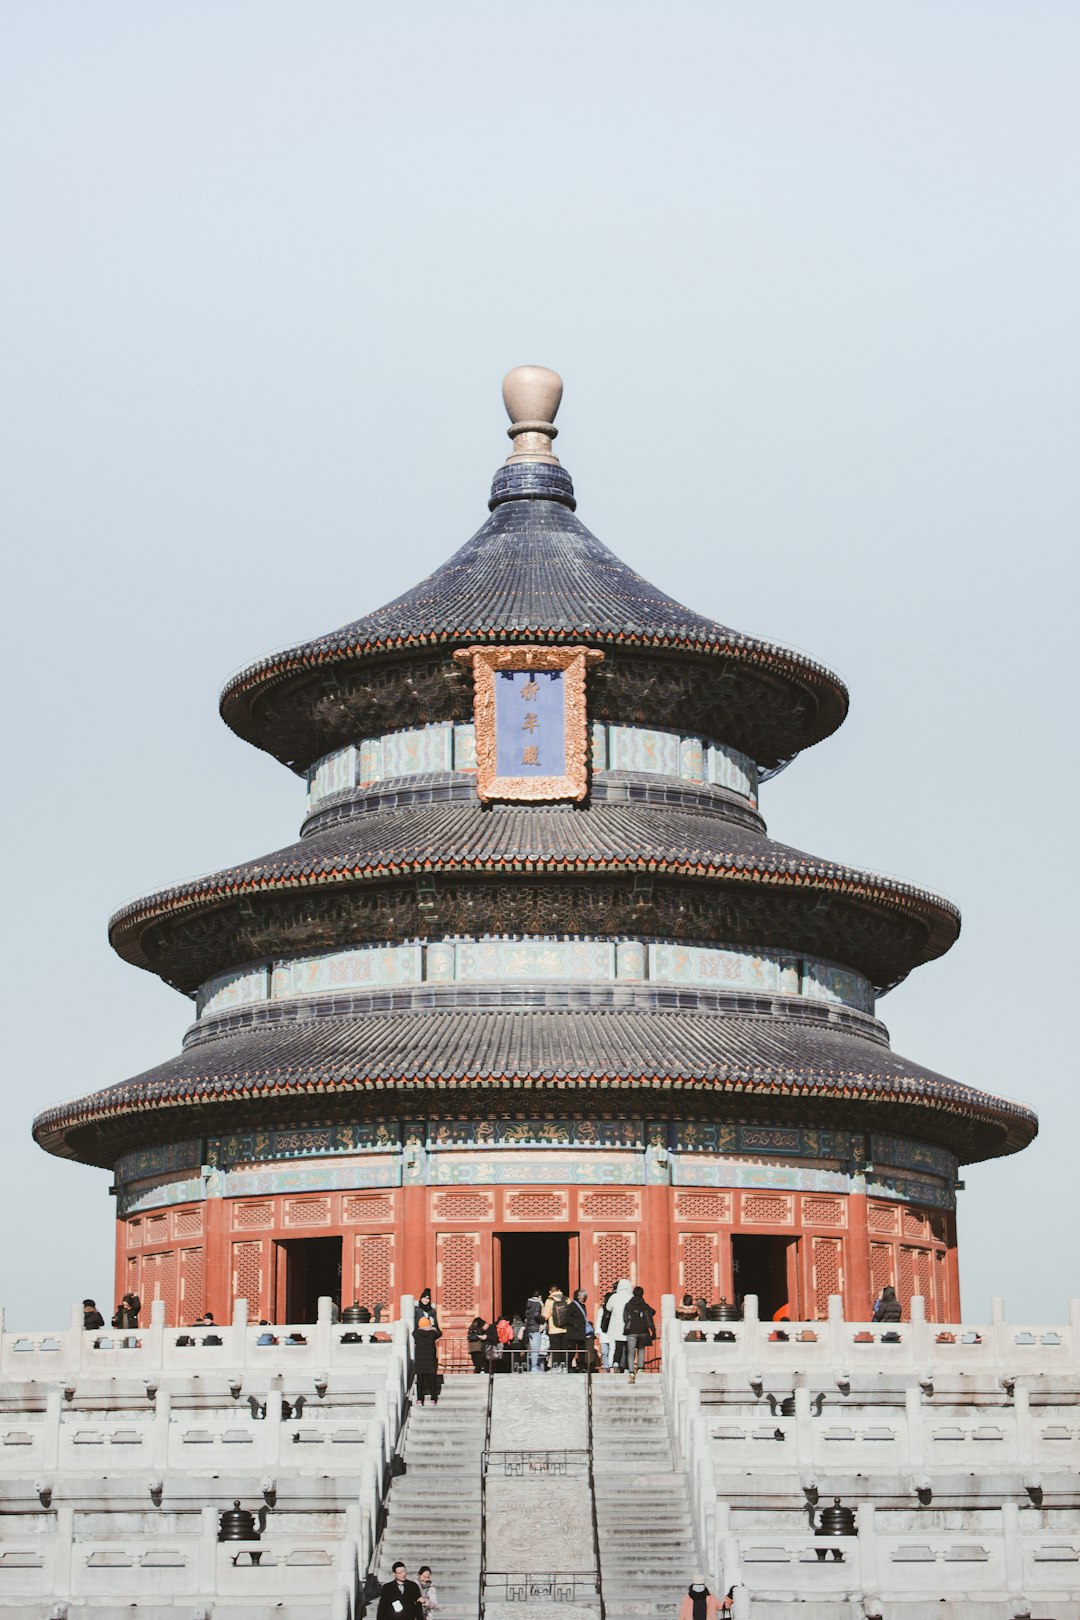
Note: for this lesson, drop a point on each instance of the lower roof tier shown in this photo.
(796, 1068)
(879, 926)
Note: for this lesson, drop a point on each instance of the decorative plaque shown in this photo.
(531, 724)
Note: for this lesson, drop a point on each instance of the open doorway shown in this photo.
(765, 1266)
(306, 1270)
(528, 1260)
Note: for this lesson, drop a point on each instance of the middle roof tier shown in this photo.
(401, 873)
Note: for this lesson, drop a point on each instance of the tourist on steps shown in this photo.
(424, 1307)
(556, 1319)
(400, 1597)
(476, 1342)
(638, 1330)
(426, 1360)
(615, 1334)
(699, 1603)
(428, 1599)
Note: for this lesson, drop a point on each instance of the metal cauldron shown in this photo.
(724, 1312)
(237, 1524)
(834, 1522)
(355, 1313)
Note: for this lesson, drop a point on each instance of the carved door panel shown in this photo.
(457, 1277)
(699, 1265)
(828, 1272)
(614, 1257)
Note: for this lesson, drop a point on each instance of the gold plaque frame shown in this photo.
(486, 662)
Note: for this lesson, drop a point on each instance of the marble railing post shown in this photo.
(867, 1548)
(913, 1410)
(804, 1437)
(159, 1443)
(837, 1346)
(54, 1405)
(1025, 1439)
(1074, 1324)
(1014, 1552)
(238, 1331)
(75, 1344)
(999, 1332)
(207, 1554)
(324, 1332)
(154, 1336)
(919, 1330)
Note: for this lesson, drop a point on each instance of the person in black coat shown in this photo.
(91, 1316)
(887, 1308)
(577, 1333)
(400, 1598)
(426, 1360)
(638, 1330)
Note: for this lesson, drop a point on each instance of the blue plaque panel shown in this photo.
(530, 722)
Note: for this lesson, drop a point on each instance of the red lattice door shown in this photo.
(614, 1257)
(828, 1272)
(373, 1269)
(457, 1276)
(699, 1265)
(192, 1275)
(248, 1276)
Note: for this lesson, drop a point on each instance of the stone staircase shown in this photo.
(433, 1509)
(648, 1549)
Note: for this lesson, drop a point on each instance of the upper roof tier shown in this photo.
(532, 572)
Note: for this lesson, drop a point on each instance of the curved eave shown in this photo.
(335, 1059)
(301, 868)
(240, 694)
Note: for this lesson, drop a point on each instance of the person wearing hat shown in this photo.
(699, 1603)
(426, 1359)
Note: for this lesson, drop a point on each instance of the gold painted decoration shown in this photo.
(531, 721)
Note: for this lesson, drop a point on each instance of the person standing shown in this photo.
(535, 1327)
(887, 1308)
(92, 1318)
(638, 1330)
(400, 1597)
(555, 1318)
(476, 1340)
(424, 1307)
(428, 1599)
(699, 1603)
(577, 1333)
(615, 1333)
(426, 1360)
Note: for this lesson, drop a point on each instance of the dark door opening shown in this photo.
(528, 1260)
(307, 1269)
(760, 1265)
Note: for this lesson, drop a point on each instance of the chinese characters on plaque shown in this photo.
(531, 731)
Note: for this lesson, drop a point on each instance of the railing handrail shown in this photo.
(592, 1490)
(483, 1494)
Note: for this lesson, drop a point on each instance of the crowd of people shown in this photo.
(553, 1333)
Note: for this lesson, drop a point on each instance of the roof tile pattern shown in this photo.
(739, 1055)
(537, 838)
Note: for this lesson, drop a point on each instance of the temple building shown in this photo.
(534, 997)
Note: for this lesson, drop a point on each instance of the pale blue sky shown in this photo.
(810, 273)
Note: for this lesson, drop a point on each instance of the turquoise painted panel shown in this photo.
(370, 768)
(799, 1178)
(464, 748)
(599, 746)
(244, 988)
(440, 962)
(691, 759)
(824, 981)
(513, 960)
(710, 968)
(729, 769)
(450, 1172)
(630, 959)
(632, 748)
(334, 773)
(345, 970)
(418, 752)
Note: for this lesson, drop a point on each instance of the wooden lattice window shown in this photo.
(906, 1285)
(608, 1206)
(307, 1212)
(703, 1206)
(914, 1223)
(247, 1276)
(187, 1222)
(134, 1233)
(373, 1269)
(881, 1217)
(248, 1215)
(464, 1206)
(828, 1273)
(537, 1206)
(766, 1209)
(375, 1206)
(823, 1211)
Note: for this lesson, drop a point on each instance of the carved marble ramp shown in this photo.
(538, 1501)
